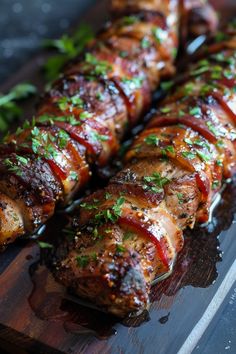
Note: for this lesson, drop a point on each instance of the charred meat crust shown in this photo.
(173, 170)
(81, 120)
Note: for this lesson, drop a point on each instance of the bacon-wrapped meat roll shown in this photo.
(128, 234)
(81, 120)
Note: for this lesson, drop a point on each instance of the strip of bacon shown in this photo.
(130, 233)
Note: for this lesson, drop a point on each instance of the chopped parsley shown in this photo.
(220, 36)
(188, 88)
(145, 43)
(98, 137)
(203, 66)
(159, 34)
(65, 103)
(9, 109)
(22, 160)
(204, 157)
(212, 128)
(82, 261)
(15, 167)
(128, 235)
(216, 72)
(155, 182)
(195, 111)
(188, 155)
(188, 141)
(168, 148)
(89, 206)
(100, 96)
(42, 142)
(129, 20)
(68, 47)
(166, 85)
(112, 214)
(51, 119)
(180, 198)
(99, 67)
(133, 83)
(181, 113)
(228, 74)
(123, 54)
(62, 139)
(120, 248)
(202, 143)
(108, 195)
(84, 115)
(165, 110)
(152, 139)
(73, 176)
(44, 244)
(215, 184)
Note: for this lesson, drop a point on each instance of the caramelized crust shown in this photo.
(128, 235)
(82, 119)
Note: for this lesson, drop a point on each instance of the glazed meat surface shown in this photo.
(128, 235)
(82, 119)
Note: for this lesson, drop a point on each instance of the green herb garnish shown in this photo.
(44, 244)
(165, 110)
(133, 83)
(9, 110)
(159, 34)
(99, 67)
(168, 148)
(166, 85)
(180, 198)
(120, 248)
(203, 157)
(98, 137)
(188, 155)
(145, 43)
(82, 261)
(112, 214)
(152, 139)
(68, 47)
(195, 111)
(73, 176)
(129, 20)
(155, 182)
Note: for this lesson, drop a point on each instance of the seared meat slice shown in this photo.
(129, 234)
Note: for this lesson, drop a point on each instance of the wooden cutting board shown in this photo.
(38, 316)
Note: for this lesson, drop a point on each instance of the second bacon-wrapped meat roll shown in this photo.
(82, 119)
(129, 234)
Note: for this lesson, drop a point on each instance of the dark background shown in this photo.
(23, 26)
(25, 23)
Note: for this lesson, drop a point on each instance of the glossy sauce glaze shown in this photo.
(196, 266)
(130, 233)
(81, 120)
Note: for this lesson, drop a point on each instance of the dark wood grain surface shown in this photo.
(38, 316)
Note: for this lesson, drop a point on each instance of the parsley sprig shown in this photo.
(68, 47)
(9, 109)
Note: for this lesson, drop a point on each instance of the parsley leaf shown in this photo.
(68, 47)
(9, 110)
(155, 182)
(82, 261)
(44, 244)
(152, 139)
